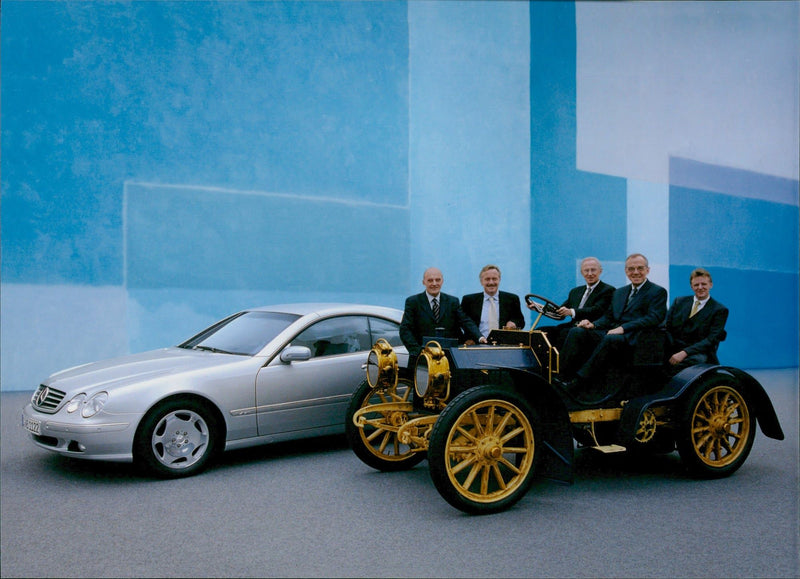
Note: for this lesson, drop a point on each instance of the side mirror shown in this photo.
(295, 354)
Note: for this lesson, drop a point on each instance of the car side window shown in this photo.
(342, 335)
(385, 329)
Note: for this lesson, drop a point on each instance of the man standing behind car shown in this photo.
(432, 313)
(492, 309)
(696, 324)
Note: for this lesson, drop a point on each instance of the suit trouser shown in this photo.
(599, 346)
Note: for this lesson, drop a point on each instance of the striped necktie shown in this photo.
(435, 305)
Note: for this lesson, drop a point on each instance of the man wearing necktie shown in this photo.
(588, 301)
(420, 317)
(492, 309)
(696, 324)
(634, 307)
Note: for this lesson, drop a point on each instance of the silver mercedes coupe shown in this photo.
(262, 375)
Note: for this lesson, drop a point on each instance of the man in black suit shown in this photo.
(696, 324)
(432, 313)
(585, 302)
(492, 309)
(634, 307)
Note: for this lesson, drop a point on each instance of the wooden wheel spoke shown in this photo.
(479, 430)
(485, 472)
(462, 464)
(378, 431)
(467, 434)
(512, 434)
(498, 476)
(384, 441)
(476, 468)
(508, 465)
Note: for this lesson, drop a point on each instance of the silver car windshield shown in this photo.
(244, 334)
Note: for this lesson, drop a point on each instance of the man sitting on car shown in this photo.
(696, 324)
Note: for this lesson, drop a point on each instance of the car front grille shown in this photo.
(47, 399)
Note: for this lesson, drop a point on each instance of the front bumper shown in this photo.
(102, 437)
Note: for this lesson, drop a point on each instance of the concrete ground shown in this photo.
(312, 509)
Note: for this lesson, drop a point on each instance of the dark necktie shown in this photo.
(435, 310)
(631, 296)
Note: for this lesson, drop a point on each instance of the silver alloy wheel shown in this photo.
(180, 439)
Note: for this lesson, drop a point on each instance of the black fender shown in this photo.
(557, 457)
(679, 384)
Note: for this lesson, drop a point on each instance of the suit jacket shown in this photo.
(596, 304)
(509, 308)
(418, 321)
(647, 309)
(700, 334)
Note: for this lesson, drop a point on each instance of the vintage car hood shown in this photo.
(125, 370)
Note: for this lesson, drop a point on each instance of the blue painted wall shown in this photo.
(166, 163)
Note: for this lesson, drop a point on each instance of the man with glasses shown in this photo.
(640, 304)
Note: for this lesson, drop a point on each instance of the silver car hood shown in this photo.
(125, 370)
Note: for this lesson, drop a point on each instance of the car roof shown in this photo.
(331, 308)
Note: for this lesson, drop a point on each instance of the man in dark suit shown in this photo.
(585, 302)
(492, 309)
(432, 313)
(634, 307)
(696, 324)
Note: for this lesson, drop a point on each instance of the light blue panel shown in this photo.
(691, 174)
(469, 139)
(195, 238)
(306, 97)
(763, 321)
(574, 214)
(734, 232)
(749, 241)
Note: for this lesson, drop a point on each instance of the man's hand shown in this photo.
(585, 324)
(677, 358)
(618, 331)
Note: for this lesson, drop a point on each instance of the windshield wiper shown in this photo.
(215, 350)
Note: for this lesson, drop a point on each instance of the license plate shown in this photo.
(32, 425)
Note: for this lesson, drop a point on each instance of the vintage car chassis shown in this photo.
(491, 418)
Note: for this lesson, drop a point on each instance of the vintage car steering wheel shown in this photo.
(548, 308)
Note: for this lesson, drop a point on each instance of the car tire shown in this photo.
(378, 448)
(716, 429)
(474, 465)
(176, 439)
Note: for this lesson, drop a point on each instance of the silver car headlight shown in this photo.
(94, 404)
(75, 403)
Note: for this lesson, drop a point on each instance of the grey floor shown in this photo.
(314, 510)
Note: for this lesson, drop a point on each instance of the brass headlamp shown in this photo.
(382, 367)
(432, 376)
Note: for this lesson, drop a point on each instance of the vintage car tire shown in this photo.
(380, 451)
(480, 470)
(716, 429)
(192, 443)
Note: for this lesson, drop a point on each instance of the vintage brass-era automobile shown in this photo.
(489, 418)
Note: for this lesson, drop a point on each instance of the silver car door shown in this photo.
(309, 395)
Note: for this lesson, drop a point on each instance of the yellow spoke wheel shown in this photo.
(376, 443)
(717, 429)
(483, 450)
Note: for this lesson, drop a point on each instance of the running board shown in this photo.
(609, 448)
